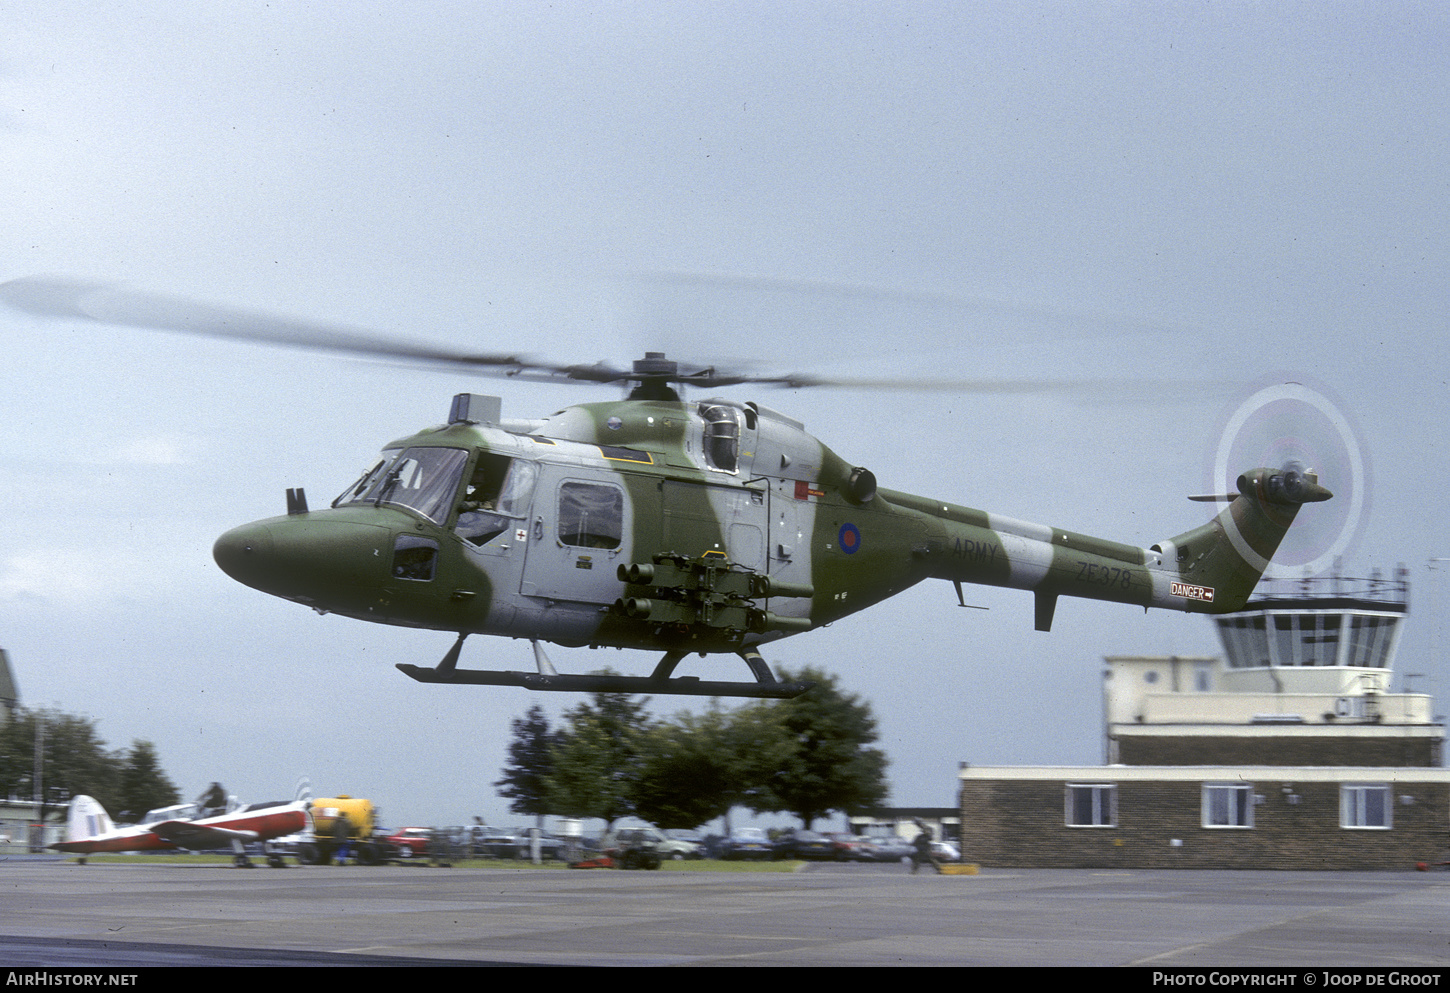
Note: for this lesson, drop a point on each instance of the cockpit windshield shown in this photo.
(365, 482)
(424, 480)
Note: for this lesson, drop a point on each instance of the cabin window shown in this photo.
(424, 480)
(591, 515)
(1202, 677)
(357, 491)
(1246, 640)
(1308, 639)
(1369, 639)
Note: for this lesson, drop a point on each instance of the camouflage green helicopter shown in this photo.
(656, 523)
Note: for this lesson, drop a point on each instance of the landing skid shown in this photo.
(660, 682)
(679, 686)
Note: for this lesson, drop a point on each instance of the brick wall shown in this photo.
(1020, 823)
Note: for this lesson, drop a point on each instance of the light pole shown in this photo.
(1434, 565)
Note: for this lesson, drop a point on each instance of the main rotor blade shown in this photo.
(106, 303)
(1076, 387)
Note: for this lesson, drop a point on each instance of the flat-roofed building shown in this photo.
(1290, 751)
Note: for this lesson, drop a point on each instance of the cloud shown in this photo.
(134, 565)
(152, 450)
(55, 574)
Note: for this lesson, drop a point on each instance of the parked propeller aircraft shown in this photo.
(89, 829)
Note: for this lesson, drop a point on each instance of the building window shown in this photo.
(1228, 805)
(1365, 806)
(1202, 677)
(1091, 806)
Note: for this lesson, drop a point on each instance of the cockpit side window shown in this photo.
(486, 482)
(518, 489)
(498, 493)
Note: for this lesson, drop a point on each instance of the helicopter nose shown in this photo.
(243, 553)
(305, 558)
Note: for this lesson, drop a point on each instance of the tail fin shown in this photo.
(1220, 562)
(87, 819)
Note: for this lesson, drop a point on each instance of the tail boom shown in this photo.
(1210, 569)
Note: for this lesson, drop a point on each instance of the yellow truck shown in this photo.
(345, 821)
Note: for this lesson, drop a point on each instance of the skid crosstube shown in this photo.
(677, 686)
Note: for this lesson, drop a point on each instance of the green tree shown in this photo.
(524, 780)
(143, 785)
(696, 767)
(825, 763)
(596, 763)
(74, 758)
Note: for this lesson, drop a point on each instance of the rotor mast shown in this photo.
(653, 376)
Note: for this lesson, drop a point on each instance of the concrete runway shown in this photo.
(66, 915)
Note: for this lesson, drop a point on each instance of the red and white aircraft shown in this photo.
(89, 829)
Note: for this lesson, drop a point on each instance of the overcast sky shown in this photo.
(1212, 197)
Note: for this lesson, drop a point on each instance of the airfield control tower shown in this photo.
(1305, 680)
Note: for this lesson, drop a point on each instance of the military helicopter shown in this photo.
(651, 522)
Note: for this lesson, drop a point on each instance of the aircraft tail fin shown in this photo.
(87, 819)
(1220, 562)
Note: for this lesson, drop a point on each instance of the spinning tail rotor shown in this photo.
(1309, 438)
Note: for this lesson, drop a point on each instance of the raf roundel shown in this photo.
(850, 538)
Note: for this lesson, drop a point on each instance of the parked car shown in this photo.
(634, 848)
(492, 842)
(851, 847)
(945, 851)
(411, 842)
(452, 843)
(656, 840)
(520, 845)
(804, 845)
(746, 843)
(890, 848)
(694, 839)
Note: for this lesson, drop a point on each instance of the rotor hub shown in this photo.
(654, 373)
(654, 365)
